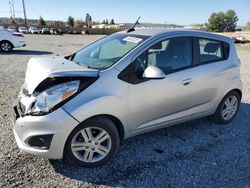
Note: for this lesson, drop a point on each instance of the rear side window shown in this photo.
(210, 50)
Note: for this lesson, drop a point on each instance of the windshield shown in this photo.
(107, 51)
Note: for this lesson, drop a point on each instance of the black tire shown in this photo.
(6, 46)
(218, 117)
(99, 122)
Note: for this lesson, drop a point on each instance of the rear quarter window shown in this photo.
(212, 50)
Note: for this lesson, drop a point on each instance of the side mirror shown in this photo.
(153, 72)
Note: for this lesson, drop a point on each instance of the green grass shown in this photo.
(243, 47)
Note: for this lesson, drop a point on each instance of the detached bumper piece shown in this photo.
(15, 113)
(18, 110)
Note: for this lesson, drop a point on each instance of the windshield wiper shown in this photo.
(78, 63)
(70, 57)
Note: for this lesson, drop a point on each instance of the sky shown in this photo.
(182, 12)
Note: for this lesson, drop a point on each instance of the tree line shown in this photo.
(217, 22)
(88, 22)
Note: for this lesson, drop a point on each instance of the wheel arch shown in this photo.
(7, 41)
(232, 89)
(118, 124)
(216, 116)
(238, 91)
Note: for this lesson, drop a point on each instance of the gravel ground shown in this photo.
(194, 154)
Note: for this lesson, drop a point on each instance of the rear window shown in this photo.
(212, 50)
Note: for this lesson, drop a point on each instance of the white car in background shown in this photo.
(33, 30)
(10, 40)
(23, 30)
(12, 28)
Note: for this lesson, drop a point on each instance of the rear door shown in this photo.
(209, 73)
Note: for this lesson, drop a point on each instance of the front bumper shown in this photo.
(59, 124)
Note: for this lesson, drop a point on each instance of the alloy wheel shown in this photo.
(230, 107)
(91, 144)
(5, 46)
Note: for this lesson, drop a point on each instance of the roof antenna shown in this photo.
(133, 28)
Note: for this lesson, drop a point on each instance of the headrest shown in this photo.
(211, 47)
(157, 46)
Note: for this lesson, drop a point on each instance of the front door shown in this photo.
(153, 102)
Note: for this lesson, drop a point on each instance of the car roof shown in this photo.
(157, 31)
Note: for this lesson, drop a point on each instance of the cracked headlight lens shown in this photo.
(54, 95)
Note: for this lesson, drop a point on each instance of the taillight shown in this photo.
(239, 62)
(18, 34)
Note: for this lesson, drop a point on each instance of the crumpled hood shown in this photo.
(40, 68)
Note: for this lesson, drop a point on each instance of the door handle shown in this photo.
(186, 81)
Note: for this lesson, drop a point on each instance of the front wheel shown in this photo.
(228, 108)
(6, 46)
(93, 143)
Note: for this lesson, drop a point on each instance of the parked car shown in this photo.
(2, 27)
(240, 39)
(54, 31)
(10, 40)
(68, 31)
(75, 32)
(45, 31)
(81, 106)
(12, 28)
(33, 30)
(23, 30)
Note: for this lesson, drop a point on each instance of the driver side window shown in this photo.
(168, 55)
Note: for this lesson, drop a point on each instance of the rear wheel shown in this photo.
(93, 143)
(227, 108)
(6, 46)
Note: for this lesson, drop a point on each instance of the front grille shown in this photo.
(26, 92)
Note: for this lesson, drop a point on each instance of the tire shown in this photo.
(219, 117)
(87, 152)
(6, 46)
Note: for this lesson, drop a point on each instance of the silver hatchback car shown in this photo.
(79, 107)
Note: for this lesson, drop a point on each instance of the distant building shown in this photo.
(200, 27)
(106, 26)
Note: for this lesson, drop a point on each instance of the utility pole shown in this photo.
(10, 9)
(13, 9)
(24, 13)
